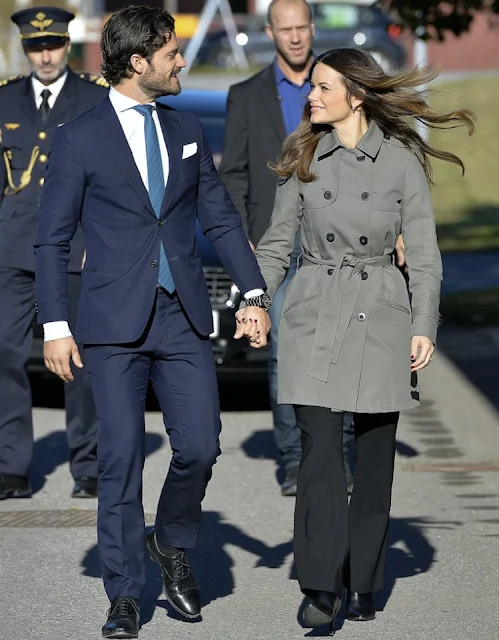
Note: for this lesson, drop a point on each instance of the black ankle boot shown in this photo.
(360, 606)
(322, 609)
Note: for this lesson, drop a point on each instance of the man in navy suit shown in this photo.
(137, 175)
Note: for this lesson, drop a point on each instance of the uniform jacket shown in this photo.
(92, 178)
(25, 146)
(254, 135)
(345, 333)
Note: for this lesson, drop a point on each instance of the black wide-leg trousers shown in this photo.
(338, 543)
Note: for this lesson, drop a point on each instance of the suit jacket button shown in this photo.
(328, 195)
(364, 275)
(330, 272)
(330, 237)
(361, 317)
(154, 263)
(363, 240)
(361, 158)
(365, 196)
(161, 223)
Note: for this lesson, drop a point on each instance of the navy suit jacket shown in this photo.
(92, 178)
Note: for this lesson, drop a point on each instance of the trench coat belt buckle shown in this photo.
(337, 306)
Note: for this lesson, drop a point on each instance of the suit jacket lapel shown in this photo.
(270, 97)
(65, 101)
(27, 101)
(109, 130)
(173, 142)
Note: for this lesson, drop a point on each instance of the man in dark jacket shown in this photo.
(31, 110)
(262, 112)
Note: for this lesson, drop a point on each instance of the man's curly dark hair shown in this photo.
(133, 30)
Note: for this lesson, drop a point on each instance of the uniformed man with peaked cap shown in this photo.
(31, 109)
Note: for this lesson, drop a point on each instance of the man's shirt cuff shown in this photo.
(253, 293)
(56, 330)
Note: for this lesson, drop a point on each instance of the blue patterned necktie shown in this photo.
(156, 179)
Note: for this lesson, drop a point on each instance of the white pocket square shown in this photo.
(189, 150)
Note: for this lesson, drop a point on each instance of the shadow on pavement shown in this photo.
(211, 562)
(469, 336)
(408, 554)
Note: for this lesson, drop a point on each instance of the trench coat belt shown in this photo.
(337, 306)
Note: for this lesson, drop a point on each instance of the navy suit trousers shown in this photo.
(179, 364)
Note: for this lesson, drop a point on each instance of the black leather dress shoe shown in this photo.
(122, 619)
(360, 607)
(12, 486)
(322, 609)
(85, 487)
(179, 583)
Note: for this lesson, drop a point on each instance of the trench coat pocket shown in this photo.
(294, 304)
(393, 305)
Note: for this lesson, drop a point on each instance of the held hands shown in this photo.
(254, 323)
(57, 355)
(422, 349)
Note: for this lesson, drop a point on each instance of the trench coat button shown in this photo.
(361, 158)
(42, 135)
(161, 223)
(330, 237)
(363, 240)
(361, 317)
(365, 196)
(154, 263)
(386, 136)
(364, 275)
(330, 272)
(328, 195)
(43, 158)
(41, 181)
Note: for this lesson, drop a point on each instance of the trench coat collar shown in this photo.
(370, 143)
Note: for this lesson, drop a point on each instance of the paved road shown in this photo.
(443, 569)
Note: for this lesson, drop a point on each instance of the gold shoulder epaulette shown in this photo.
(11, 80)
(95, 79)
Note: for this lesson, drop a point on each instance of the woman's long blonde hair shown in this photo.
(392, 101)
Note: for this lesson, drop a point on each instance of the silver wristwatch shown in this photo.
(264, 301)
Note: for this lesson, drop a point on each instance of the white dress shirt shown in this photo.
(55, 89)
(132, 123)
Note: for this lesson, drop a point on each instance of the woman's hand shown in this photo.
(422, 349)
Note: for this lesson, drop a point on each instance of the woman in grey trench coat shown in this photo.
(354, 176)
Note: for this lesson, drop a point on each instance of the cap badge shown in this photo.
(41, 22)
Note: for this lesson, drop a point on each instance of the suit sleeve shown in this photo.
(234, 166)
(275, 248)
(58, 217)
(221, 224)
(3, 170)
(422, 254)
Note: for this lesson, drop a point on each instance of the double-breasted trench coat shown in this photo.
(348, 318)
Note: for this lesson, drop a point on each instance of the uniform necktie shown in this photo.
(44, 107)
(156, 180)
